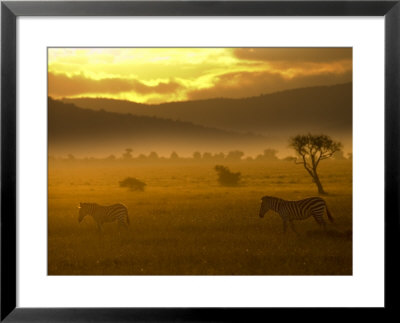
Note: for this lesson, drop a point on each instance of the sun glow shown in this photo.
(155, 75)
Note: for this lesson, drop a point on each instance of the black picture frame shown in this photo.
(10, 10)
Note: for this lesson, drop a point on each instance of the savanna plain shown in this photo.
(185, 223)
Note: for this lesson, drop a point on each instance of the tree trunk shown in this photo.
(313, 173)
(318, 183)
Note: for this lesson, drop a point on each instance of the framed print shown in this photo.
(157, 158)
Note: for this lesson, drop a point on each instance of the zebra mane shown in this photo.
(267, 197)
(87, 204)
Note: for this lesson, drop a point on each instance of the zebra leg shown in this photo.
(320, 221)
(122, 225)
(284, 226)
(323, 225)
(99, 227)
(292, 227)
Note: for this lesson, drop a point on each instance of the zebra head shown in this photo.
(83, 211)
(265, 206)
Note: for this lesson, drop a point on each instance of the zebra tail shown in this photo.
(329, 214)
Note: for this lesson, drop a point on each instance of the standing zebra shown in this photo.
(102, 214)
(296, 210)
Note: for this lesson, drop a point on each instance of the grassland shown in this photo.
(184, 223)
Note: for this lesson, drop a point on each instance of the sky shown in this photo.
(157, 75)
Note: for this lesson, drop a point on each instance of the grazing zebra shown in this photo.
(102, 214)
(296, 210)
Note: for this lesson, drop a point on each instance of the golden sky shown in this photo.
(156, 75)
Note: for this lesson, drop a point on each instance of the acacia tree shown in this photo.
(128, 154)
(312, 149)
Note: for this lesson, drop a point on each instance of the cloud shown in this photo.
(246, 84)
(294, 55)
(286, 69)
(160, 88)
(61, 85)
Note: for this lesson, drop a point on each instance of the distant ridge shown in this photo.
(313, 109)
(73, 129)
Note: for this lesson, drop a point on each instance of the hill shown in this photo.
(325, 109)
(83, 131)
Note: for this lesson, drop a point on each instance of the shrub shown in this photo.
(226, 177)
(133, 184)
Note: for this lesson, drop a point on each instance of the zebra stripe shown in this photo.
(296, 210)
(103, 214)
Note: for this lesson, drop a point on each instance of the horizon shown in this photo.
(197, 100)
(161, 75)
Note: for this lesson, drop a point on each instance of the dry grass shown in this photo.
(186, 224)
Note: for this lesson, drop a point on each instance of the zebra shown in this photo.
(103, 214)
(296, 210)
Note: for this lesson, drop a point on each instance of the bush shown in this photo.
(226, 177)
(133, 184)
